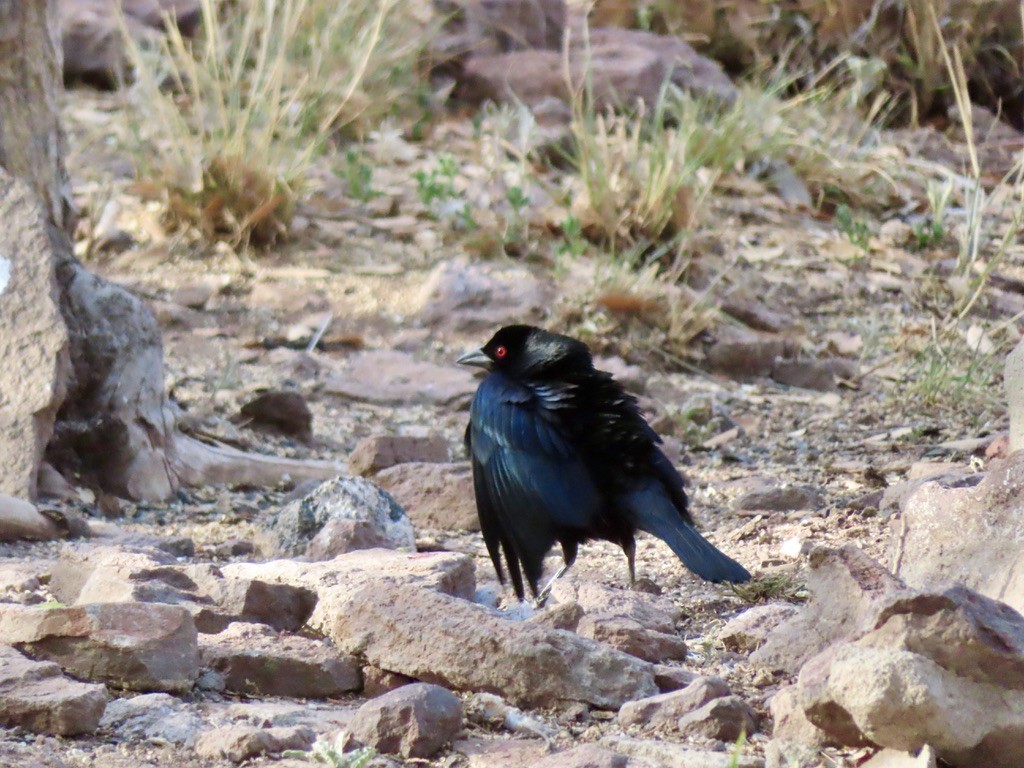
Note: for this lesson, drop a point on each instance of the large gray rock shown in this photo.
(33, 338)
(37, 697)
(291, 530)
(335, 581)
(944, 669)
(135, 646)
(413, 721)
(255, 660)
(153, 716)
(968, 535)
(441, 639)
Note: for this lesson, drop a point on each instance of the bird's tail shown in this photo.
(654, 513)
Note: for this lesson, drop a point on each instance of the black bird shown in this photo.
(561, 453)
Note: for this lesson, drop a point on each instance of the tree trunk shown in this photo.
(100, 371)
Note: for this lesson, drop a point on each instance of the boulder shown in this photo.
(966, 535)
(726, 718)
(438, 638)
(290, 531)
(33, 342)
(135, 646)
(438, 497)
(38, 698)
(413, 721)
(372, 454)
(255, 660)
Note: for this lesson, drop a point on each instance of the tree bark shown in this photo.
(115, 429)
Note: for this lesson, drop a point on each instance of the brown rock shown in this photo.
(662, 712)
(33, 341)
(517, 24)
(495, 753)
(136, 646)
(396, 378)
(726, 719)
(561, 616)
(669, 678)
(780, 498)
(436, 497)
(21, 521)
(241, 742)
(747, 631)
(372, 454)
(945, 669)
(658, 614)
(846, 587)
(667, 754)
(377, 681)
(791, 724)
(583, 756)
(967, 535)
(438, 638)
(338, 537)
(750, 356)
(283, 413)
(37, 697)
(629, 636)
(413, 721)
(334, 581)
(822, 375)
(467, 297)
(255, 660)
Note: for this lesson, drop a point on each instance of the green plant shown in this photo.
(516, 227)
(358, 176)
(737, 750)
(856, 229)
(774, 586)
(333, 754)
(436, 189)
(572, 243)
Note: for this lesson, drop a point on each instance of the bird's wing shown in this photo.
(530, 481)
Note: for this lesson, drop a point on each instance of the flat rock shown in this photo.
(499, 753)
(413, 721)
(656, 613)
(667, 754)
(437, 497)
(135, 646)
(847, 587)
(290, 531)
(892, 758)
(438, 638)
(747, 631)
(725, 718)
(629, 636)
(583, 756)
(153, 716)
(32, 333)
(334, 581)
(255, 660)
(821, 375)
(21, 521)
(372, 454)
(662, 712)
(466, 297)
(780, 498)
(968, 535)
(37, 697)
(398, 378)
(241, 742)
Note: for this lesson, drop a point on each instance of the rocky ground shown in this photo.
(827, 446)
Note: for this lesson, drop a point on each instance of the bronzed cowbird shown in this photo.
(561, 453)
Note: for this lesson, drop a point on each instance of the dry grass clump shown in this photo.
(226, 126)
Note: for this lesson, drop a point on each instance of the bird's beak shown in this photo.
(475, 358)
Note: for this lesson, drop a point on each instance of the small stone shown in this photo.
(372, 454)
(820, 375)
(669, 678)
(725, 719)
(663, 711)
(283, 413)
(21, 521)
(153, 716)
(413, 721)
(583, 756)
(629, 636)
(780, 498)
(241, 742)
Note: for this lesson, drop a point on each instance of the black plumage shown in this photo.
(561, 453)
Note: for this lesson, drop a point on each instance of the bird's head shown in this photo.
(528, 352)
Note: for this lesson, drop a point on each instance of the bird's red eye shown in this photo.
(501, 353)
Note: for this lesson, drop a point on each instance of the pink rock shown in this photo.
(37, 697)
(413, 721)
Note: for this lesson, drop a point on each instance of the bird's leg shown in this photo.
(542, 596)
(629, 547)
